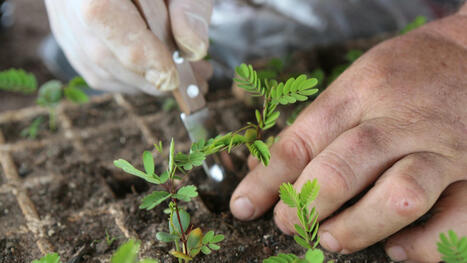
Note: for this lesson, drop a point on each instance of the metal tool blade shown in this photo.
(217, 184)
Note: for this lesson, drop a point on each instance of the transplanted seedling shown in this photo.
(307, 230)
(49, 94)
(188, 240)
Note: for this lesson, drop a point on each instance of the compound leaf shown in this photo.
(17, 80)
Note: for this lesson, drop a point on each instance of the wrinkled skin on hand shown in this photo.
(109, 44)
(394, 123)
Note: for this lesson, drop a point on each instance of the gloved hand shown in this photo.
(393, 128)
(109, 44)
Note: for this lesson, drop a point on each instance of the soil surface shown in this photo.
(62, 193)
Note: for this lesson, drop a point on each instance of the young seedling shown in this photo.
(49, 94)
(307, 230)
(188, 240)
(452, 248)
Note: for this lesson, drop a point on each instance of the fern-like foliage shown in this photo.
(17, 80)
(452, 248)
(273, 92)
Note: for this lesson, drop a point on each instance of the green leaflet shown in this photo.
(49, 258)
(289, 195)
(128, 168)
(154, 199)
(75, 95)
(127, 253)
(186, 193)
(309, 192)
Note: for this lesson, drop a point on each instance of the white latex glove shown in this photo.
(109, 44)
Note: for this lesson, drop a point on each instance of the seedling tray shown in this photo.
(61, 193)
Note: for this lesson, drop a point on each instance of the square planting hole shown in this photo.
(45, 161)
(11, 218)
(78, 186)
(95, 114)
(18, 248)
(17, 130)
(86, 233)
(124, 142)
(146, 104)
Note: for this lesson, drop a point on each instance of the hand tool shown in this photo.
(217, 184)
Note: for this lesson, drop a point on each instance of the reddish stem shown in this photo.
(181, 227)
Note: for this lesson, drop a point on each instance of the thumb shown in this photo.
(190, 21)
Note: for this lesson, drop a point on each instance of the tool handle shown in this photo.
(188, 95)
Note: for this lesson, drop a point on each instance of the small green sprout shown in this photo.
(49, 94)
(452, 248)
(109, 239)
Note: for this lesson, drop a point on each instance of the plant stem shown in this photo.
(52, 119)
(185, 248)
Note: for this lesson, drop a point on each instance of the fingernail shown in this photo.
(243, 207)
(329, 242)
(396, 253)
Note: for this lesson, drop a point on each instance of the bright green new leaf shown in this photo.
(159, 147)
(154, 199)
(309, 192)
(126, 253)
(49, 258)
(314, 256)
(289, 195)
(186, 193)
(148, 162)
(171, 156)
(75, 95)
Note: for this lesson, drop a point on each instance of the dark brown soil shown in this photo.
(78, 199)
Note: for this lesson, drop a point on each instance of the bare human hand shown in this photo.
(394, 123)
